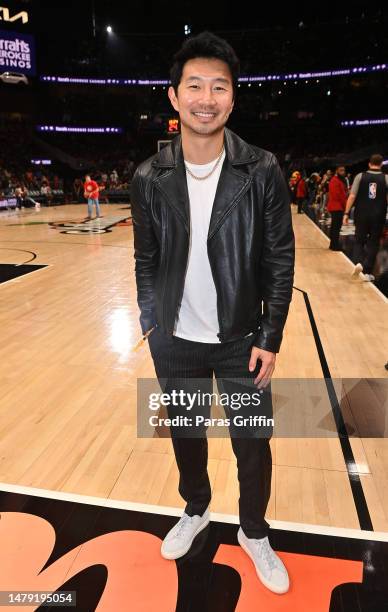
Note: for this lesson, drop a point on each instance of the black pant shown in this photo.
(336, 224)
(300, 205)
(184, 364)
(367, 239)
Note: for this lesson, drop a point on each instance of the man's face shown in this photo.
(341, 171)
(204, 99)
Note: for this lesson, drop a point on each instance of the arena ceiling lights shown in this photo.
(295, 76)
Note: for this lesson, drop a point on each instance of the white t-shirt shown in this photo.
(197, 318)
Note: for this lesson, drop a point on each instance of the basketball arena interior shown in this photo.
(93, 131)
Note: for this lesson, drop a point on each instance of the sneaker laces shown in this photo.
(184, 522)
(267, 554)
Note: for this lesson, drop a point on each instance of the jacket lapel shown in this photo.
(173, 186)
(232, 185)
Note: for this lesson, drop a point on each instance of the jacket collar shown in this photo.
(231, 186)
(237, 152)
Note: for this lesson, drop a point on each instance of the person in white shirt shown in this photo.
(212, 237)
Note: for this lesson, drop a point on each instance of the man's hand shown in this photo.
(345, 220)
(267, 366)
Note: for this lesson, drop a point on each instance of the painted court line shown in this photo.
(232, 519)
(23, 276)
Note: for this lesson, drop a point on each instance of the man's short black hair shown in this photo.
(376, 159)
(208, 45)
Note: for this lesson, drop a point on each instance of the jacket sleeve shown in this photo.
(276, 269)
(332, 193)
(146, 252)
(337, 193)
(342, 195)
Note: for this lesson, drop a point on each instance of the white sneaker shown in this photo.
(269, 567)
(179, 539)
(357, 271)
(366, 277)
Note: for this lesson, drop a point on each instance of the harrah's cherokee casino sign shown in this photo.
(17, 52)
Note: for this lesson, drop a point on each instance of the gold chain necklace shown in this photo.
(202, 178)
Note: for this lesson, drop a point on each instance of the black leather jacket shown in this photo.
(250, 242)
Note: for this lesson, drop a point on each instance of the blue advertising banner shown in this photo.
(17, 53)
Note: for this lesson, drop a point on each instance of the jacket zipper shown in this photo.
(165, 281)
(219, 305)
(165, 287)
(184, 280)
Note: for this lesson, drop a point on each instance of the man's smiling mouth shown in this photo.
(203, 114)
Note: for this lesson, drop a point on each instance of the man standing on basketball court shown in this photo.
(368, 195)
(91, 193)
(214, 251)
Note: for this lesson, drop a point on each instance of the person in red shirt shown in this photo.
(338, 193)
(91, 193)
(300, 192)
(292, 186)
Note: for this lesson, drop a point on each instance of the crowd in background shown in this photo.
(327, 198)
(320, 193)
(35, 183)
(50, 188)
(111, 183)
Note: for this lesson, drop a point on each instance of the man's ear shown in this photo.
(173, 98)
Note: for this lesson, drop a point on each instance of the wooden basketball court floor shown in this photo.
(69, 377)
